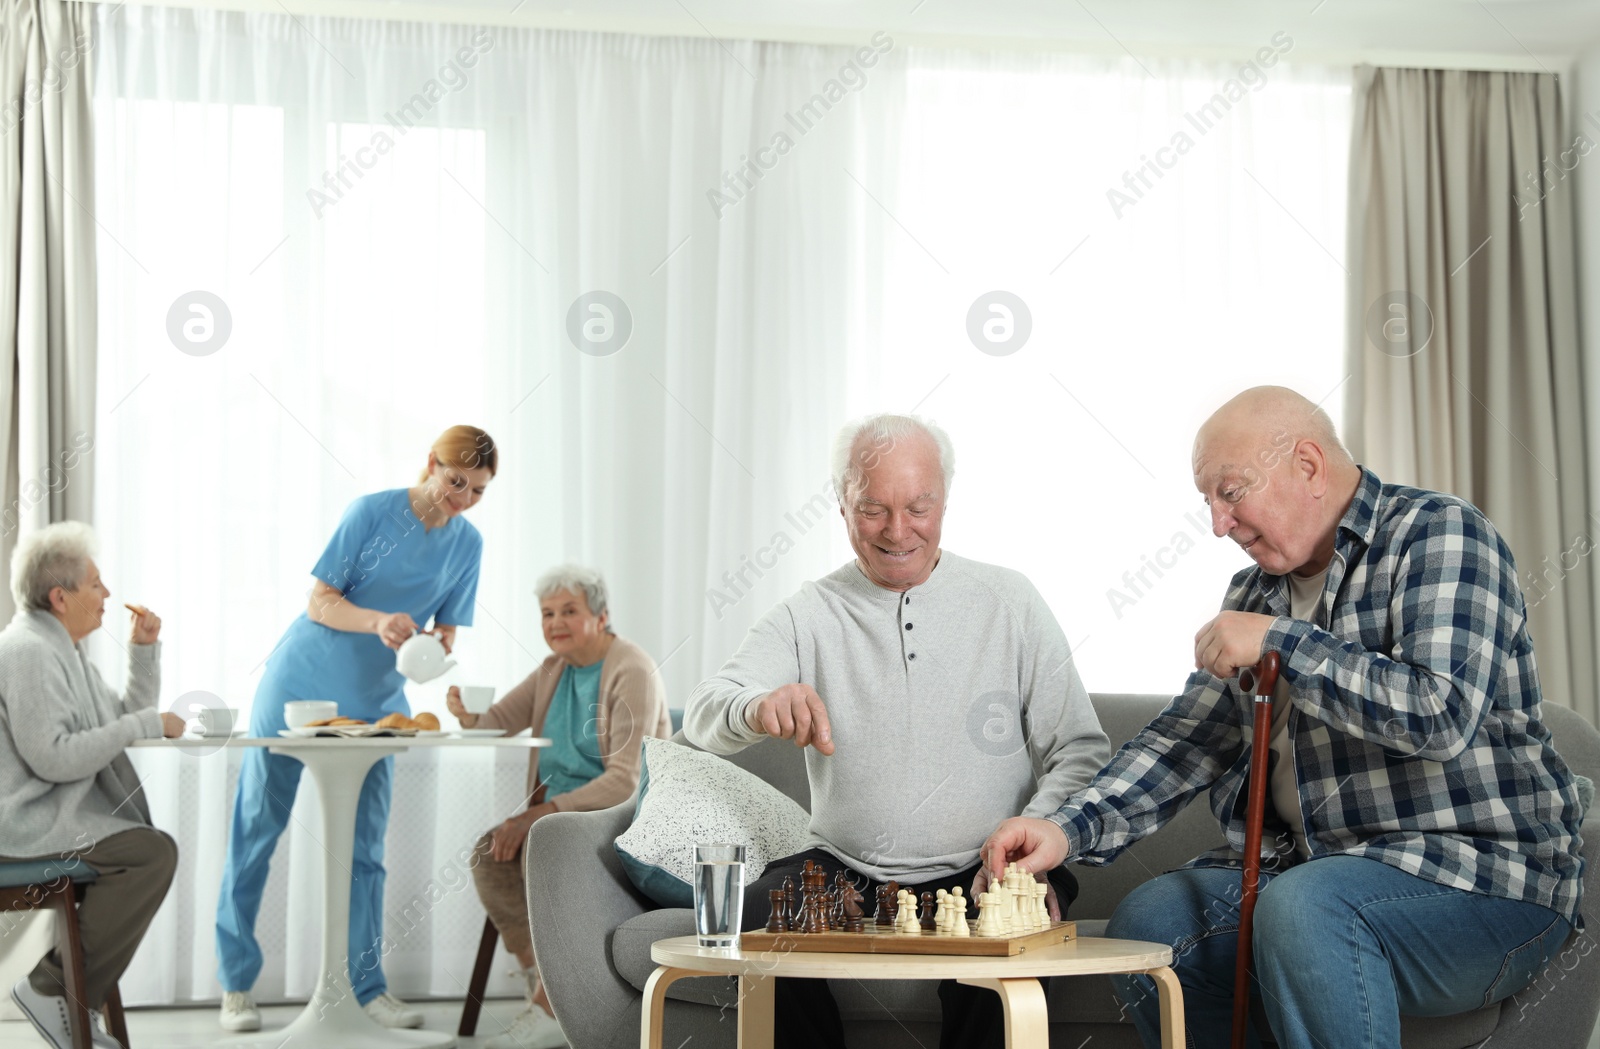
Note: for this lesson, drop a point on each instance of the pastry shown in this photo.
(395, 721)
(426, 722)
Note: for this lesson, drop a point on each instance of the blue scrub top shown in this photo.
(380, 558)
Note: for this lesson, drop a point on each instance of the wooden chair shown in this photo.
(32, 885)
(480, 980)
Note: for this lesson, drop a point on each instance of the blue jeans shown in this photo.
(1342, 946)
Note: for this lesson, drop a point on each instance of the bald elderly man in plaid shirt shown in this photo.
(1426, 859)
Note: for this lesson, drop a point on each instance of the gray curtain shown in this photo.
(1463, 328)
(47, 288)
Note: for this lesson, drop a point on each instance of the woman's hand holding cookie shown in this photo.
(146, 626)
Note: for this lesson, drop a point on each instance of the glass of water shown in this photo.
(718, 894)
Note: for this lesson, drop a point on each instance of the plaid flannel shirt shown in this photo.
(1416, 727)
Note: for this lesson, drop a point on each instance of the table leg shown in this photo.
(1027, 1020)
(655, 1002)
(333, 1017)
(757, 993)
(1172, 1030)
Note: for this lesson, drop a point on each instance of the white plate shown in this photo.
(431, 732)
(469, 733)
(345, 731)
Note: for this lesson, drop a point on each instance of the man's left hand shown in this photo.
(1231, 641)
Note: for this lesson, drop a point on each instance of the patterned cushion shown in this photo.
(688, 797)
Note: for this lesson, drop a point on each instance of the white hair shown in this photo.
(883, 432)
(579, 580)
(55, 555)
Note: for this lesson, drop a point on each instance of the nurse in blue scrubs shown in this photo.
(399, 560)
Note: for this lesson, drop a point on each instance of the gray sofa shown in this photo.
(592, 932)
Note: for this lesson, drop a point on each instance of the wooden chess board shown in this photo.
(885, 939)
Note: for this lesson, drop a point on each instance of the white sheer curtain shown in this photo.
(784, 263)
(1173, 231)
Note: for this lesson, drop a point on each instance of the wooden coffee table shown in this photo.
(1014, 979)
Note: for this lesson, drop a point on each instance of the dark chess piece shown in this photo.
(888, 895)
(813, 899)
(791, 905)
(927, 916)
(778, 921)
(801, 921)
(851, 918)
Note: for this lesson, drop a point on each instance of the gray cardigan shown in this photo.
(953, 705)
(64, 779)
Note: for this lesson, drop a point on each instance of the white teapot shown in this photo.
(422, 658)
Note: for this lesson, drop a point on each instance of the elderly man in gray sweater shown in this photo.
(936, 694)
(67, 790)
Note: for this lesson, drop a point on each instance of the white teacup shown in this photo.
(216, 721)
(299, 711)
(477, 698)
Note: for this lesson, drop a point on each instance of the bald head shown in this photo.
(1275, 418)
(1277, 478)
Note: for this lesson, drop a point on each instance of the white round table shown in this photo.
(339, 767)
(1015, 979)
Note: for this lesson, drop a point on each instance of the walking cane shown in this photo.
(1260, 680)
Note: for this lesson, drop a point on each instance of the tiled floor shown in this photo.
(194, 1028)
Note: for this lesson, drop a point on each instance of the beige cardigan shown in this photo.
(632, 705)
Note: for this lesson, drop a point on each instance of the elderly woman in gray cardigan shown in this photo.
(67, 790)
(597, 696)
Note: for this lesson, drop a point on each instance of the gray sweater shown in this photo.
(64, 779)
(953, 706)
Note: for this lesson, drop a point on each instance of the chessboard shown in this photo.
(886, 939)
(812, 917)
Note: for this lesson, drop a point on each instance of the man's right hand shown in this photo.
(1033, 845)
(793, 712)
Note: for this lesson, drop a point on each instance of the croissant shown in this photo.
(395, 721)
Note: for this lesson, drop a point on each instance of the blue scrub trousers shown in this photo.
(261, 808)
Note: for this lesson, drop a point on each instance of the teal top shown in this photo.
(573, 726)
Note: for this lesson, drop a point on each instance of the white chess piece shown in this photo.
(1022, 899)
(1002, 906)
(941, 914)
(988, 907)
(1041, 908)
(908, 912)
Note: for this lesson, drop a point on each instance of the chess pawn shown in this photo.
(908, 912)
(1040, 907)
(941, 916)
(958, 912)
(926, 918)
(988, 914)
(778, 920)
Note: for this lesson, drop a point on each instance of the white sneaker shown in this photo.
(239, 1012)
(48, 1014)
(532, 1029)
(390, 1011)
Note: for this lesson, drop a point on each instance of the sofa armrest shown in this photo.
(577, 896)
(1558, 1009)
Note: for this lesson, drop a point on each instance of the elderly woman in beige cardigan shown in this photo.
(596, 697)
